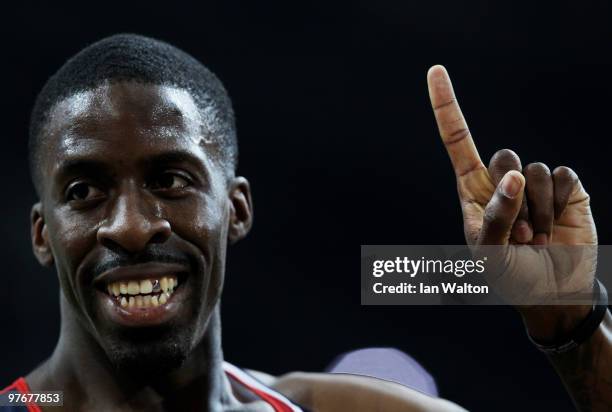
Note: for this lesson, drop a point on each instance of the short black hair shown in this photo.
(132, 57)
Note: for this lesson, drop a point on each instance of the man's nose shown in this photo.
(133, 224)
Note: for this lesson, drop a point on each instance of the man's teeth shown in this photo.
(145, 293)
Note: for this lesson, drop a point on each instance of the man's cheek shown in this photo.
(69, 243)
(201, 222)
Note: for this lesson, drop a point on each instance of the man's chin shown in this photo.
(148, 359)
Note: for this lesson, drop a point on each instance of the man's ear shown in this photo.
(241, 209)
(40, 236)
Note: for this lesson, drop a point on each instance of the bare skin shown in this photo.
(525, 210)
(343, 392)
(129, 184)
(135, 201)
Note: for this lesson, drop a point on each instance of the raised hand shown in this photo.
(542, 219)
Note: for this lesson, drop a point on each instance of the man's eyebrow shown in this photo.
(89, 166)
(82, 165)
(176, 156)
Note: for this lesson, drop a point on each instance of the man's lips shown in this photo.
(144, 294)
(139, 272)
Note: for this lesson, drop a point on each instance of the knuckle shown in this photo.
(491, 219)
(504, 154)
(502, 162)
(537, 169)
(456, 135)
(505, 159)
(446, 104)
(565, 173)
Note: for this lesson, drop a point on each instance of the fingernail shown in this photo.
(510, 185)
(540, 239)
(521, 231)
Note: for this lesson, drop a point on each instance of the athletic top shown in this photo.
(242, 379)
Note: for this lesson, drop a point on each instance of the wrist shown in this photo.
(551, 323)
(556, 330)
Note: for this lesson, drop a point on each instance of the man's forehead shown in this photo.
(166, 109)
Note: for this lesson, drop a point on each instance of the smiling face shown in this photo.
(136, 212)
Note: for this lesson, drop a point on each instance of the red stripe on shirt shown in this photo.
(21, 386)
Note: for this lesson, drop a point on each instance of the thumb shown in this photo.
(502, 210)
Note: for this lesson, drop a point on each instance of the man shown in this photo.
(133, 155)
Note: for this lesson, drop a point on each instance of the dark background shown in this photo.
(340, 146)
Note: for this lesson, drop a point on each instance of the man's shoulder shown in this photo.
(18, 386)
(331, 391)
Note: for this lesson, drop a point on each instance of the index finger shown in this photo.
(451, 123)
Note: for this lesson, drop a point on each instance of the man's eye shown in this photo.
(83, 191)
(169, 181)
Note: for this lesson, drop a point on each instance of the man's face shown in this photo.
(133, 204)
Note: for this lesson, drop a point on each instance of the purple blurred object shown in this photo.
(389, 364)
